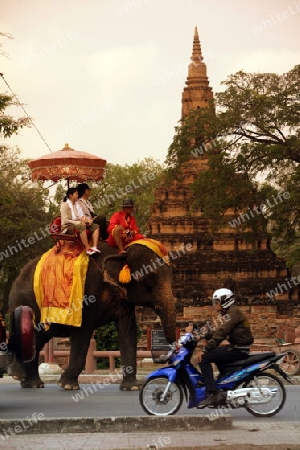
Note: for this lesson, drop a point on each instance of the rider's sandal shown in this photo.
(90, 251)
(96, 249)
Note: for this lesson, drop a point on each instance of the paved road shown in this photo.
(107, 402)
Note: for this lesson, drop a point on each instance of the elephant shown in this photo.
(114, 302)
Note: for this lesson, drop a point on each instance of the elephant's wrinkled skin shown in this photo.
(152, 290)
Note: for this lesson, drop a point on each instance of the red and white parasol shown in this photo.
(69, 164)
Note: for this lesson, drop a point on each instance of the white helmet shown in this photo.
(224, 296)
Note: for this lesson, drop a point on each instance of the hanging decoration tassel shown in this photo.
(124, 275)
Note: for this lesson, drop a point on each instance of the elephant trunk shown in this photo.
(168, 320)
(166, 308)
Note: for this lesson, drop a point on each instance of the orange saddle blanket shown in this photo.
(58, 284)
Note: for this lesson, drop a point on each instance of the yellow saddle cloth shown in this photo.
(59, 281)
(154, 245)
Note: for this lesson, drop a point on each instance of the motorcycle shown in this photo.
(244, 383)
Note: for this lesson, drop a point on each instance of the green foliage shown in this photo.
(261, 113)
(284, 223)
(107, 339)
(56, 200)
(260, 116)
(198, 127)
(8, 124)
(220, 190)
(137, 181)
(23, 205)
(23, 221)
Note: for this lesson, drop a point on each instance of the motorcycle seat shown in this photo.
(251, 358)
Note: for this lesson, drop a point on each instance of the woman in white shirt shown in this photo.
(84, 193)
(71, 214)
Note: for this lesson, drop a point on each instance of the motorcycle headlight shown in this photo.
(185, 338)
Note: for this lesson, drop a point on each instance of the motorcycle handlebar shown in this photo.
(188, 337)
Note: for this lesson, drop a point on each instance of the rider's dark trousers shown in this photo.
(219, 356)
(101, 221)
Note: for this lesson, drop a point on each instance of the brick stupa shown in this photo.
(226, 258)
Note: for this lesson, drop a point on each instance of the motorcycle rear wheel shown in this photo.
(151, 393)
(275, 404)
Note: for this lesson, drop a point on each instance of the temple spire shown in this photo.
(197, 54)
(197, 92)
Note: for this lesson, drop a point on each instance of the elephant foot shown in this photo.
(17, 372)
(33, 383)
(68, 385)
(130, 385)
(18, 377)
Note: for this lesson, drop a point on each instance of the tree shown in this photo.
(253, 136)
(194, 132)
(23, 221)
(137, 181)
(261, 113)
(23, 205)
(224, 195)
(9, 125)
(107, 339)
(219, 189)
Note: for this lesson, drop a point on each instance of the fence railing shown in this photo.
(91, 359)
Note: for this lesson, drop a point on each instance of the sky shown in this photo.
(106, 76)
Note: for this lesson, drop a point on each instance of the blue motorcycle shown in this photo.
(244, 383)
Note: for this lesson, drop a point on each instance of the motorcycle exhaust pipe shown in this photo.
(251, 395)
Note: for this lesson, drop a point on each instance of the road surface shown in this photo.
(108, 401)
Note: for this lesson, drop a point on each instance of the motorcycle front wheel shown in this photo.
(269, 409)
(152, 401)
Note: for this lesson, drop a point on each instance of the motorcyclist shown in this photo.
(235, 328)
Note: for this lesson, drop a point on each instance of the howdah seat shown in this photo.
(60, 232)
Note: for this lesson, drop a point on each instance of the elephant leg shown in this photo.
(80, 342)
(17, 370)
(127, 332)
(32, 378)
(14, 367)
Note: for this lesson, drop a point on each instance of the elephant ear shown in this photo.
(112, 266)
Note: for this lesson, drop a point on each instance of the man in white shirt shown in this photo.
(84, 193)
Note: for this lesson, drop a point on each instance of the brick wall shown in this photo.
(264, 319)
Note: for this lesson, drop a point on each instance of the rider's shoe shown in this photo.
(96, 249)
(212, 398)
(90, 251)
